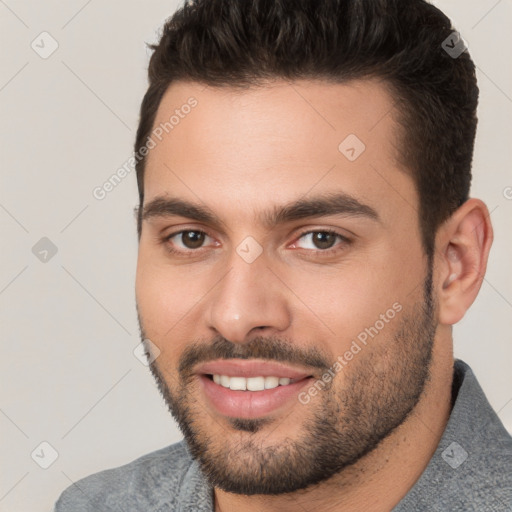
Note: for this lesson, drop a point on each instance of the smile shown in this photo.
(252, 383)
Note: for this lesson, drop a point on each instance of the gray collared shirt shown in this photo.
(471, 470)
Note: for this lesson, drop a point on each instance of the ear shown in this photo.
(463, 243)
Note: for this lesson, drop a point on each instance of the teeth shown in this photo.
(256, 383)
(251, 383)
(271, 382)
(238, 383)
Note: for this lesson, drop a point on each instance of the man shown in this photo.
(306, 242)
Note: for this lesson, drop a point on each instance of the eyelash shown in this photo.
(343, 242)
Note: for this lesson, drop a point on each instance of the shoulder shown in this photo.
(471, 469)
(140, 485)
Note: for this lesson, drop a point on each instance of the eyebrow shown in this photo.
(321, 206)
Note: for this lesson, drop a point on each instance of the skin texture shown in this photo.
(242, 155)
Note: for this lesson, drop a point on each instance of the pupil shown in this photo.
(192, 239)
(324, 240)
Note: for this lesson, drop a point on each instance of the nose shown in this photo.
(248, 299)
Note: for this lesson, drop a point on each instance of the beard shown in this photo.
(380, 389)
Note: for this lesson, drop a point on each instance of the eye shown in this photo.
(188, 239)
(319, 240)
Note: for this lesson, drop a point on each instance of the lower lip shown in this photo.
(250, 404)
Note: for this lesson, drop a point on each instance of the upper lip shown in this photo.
(250, 368)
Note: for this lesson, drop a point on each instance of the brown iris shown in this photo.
(192, 239)
(324, 239)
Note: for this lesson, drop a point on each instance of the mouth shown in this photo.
(258, 383)
(250, 389)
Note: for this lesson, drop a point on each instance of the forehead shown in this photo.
(276, 143)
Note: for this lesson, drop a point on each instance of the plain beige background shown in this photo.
(68, 121)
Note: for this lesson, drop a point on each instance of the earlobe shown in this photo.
(462, 250)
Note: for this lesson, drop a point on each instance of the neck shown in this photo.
(379, 480)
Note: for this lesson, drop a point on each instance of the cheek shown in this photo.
(158, 308)
(364, 298)
(158, 297)
(168, 300)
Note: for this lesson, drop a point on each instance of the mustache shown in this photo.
(269, 348)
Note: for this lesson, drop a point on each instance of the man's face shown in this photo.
(275, 246)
